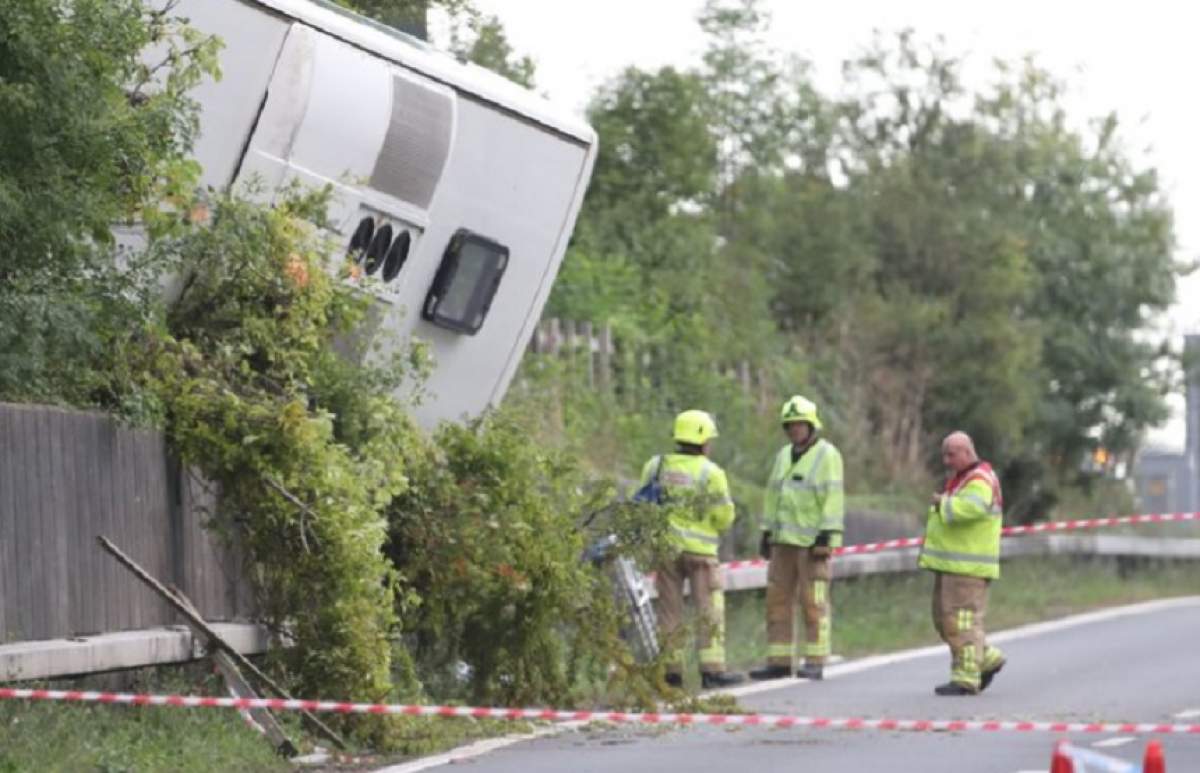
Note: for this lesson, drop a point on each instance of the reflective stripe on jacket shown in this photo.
(805, 498)
(696, 529)
(962, 535)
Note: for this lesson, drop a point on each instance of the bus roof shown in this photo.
(417, 55)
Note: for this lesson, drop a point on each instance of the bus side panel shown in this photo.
(516, 183)
(229, 106)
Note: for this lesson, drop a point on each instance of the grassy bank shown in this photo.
(116, 739)
(124, 739)
(882, 613)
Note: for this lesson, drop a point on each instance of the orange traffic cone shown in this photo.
(1154, 762)
(1061, 761)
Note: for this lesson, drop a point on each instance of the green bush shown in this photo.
(488, 540)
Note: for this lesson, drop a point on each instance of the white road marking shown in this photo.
(1119, 740)
(1189, 714)
(1013, 634)
(478, 749)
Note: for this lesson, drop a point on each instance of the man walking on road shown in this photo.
(696, 531)
(962, 548)
(803, 514)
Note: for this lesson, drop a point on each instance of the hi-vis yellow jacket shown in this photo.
(697, 529)
(805, 498)
(962, 535)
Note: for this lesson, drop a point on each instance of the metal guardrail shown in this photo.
(905, 559)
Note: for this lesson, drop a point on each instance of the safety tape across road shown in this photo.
(619, 717)
(1009, 531)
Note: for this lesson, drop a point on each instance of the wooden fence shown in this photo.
(607, 358)
(68, 476)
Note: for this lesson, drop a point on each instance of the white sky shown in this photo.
(1133, 58)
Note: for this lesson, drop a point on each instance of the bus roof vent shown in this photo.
(417, 143)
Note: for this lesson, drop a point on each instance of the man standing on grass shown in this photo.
(962, 548)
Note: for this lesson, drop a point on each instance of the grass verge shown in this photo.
(883, 613)
(97, 738)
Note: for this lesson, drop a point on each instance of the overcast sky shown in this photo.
(1138, 59)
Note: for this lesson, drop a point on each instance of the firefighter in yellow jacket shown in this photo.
(696, 531)
(803, 516)
(962, 548)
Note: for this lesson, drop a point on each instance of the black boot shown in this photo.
(954, 688)
(986, 677)
(709, 680)
(673, 680)
(813, 671)
(771, 672)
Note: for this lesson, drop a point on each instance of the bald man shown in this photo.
(962, 548)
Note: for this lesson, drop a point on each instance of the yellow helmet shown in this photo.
(694, 427)
(799, 408)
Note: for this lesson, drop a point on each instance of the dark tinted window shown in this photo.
(466, 282)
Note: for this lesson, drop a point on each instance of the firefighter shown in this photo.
(803, 515)
(696, 527)
(962, 548)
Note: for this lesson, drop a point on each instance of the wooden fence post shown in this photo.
(589, 346)
(604, 351)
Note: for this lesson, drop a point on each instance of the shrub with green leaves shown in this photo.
(488, 538)
(255, 397)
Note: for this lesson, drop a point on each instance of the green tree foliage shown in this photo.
(930, 254)
(483, 41)
(411, 16)
(474, 37)
(254, 399)
(91, 133)
(488, 538)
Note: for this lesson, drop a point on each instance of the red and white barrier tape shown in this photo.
(1009, 531)
(555, 715)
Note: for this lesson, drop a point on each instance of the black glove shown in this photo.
(820, 547)
(764, 545)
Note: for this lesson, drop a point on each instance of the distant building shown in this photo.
(1168, 481)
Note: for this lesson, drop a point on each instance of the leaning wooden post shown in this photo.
(214, 637)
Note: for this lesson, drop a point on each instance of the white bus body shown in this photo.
(450, 157)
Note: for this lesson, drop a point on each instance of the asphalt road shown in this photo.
(1137, 664)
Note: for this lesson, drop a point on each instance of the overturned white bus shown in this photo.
(456, 189)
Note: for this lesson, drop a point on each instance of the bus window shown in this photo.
(466, 282)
